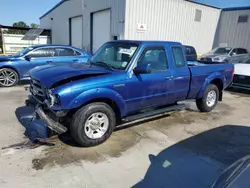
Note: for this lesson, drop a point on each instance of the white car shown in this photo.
(242, 75)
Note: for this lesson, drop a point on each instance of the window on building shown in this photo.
(178, 57)
(243, 19)
(156, 57)
(198, 14)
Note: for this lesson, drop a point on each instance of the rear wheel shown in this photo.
(209, 99)
(8, 77)
(93, 124)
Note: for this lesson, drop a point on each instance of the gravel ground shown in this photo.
(179, 149)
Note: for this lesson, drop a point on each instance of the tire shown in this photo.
(8, 77)
(81, 125)
(203, 103)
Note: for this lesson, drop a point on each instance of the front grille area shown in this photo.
(241, 79)
(37, 90)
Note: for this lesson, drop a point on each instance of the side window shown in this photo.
(77, 53)
(242, 51)
(44, 52)
(156, 57)
(64, 52)
(234, 51)
(179, 59)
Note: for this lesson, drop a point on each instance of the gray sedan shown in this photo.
(226, 54)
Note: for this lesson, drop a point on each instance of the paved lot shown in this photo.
(180, 149)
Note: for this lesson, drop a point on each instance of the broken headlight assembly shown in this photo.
(54, 99)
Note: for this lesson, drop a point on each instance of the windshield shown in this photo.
(115, 55)
(221, 51)
(23, 51)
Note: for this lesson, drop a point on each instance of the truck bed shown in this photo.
(200, 72)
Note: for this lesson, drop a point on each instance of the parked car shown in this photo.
(120, 80)
(236, 175)
(16, 67)
(226, 54)
(191, 54)
(242, 75)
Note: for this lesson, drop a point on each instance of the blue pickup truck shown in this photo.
(16, 67)
(124, 80)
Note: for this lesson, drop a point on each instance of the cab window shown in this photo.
(179, 59)
(156, 57)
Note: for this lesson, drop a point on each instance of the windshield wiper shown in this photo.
(102, 63)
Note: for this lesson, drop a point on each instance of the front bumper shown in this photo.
(52, 124)
(40, 122)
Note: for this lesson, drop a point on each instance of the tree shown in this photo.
(34, 26)
(16, 31)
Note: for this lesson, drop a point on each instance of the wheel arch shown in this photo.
(217, 79)
(11, 67)
(108, 96)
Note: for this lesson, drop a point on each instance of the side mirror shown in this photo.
(27, 57)
(142, 69)
(233, 54)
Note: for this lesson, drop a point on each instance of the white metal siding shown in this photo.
(172, 20)
(76, 31)
(117, 8)
(60, 23)
(230, 32)
(101, 29)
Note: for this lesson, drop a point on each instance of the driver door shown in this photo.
(153, 89)
(37, 57)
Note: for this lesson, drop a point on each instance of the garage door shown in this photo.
(100, 29)
(76, 32)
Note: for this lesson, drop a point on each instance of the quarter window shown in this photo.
(156, 57)
(179, 59)
(64, 52)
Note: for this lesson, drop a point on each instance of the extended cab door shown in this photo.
(147, 90)
(181, 74)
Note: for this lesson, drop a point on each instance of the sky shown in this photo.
(225, 3)
(29, 11)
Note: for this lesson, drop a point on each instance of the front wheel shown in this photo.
(93, 124)
(8, 77)
(209, 99)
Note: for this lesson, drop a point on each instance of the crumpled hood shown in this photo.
(50, 74)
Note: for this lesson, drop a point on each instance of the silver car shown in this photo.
(226, 54)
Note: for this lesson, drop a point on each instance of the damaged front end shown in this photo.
(39, 121)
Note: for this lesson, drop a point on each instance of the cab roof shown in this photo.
(150, 42)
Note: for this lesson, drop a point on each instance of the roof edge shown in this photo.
(236, 8)
(206, 5)
(53, 8)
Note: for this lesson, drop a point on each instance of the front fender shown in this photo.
(98, 93)
(209, 79)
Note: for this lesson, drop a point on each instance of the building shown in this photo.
(89, 23)
(234, 28)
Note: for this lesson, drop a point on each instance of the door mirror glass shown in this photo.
(142, 69)
(27, 57)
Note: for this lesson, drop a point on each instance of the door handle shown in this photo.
(49, 61)
(169, 78)
(75, 60)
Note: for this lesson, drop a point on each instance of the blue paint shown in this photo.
(87, 82)
(22, 65)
